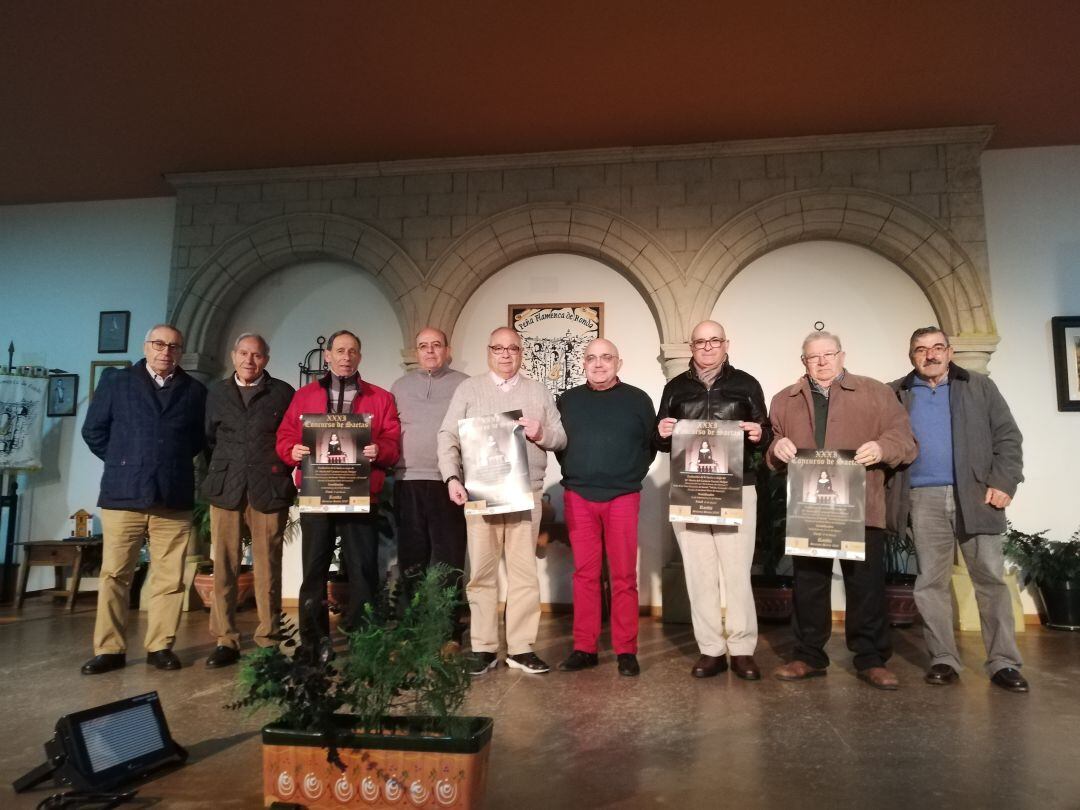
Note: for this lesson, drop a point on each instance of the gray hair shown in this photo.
(821, 335)
(157, 326)
(926, 330)
(257, 336)
(330, 342)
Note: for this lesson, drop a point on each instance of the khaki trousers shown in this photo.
(712, 555)
(124, 530)
(227, 530)
(489, 537)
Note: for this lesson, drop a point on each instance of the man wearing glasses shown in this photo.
(969, 465)
(514, 534)
(431, 528)
(831, 408)
(713, 389)
(146, 423)
(609, 427)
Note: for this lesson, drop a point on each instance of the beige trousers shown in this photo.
(489, 538)
(712, 555)
(227, 530)
(124, 530)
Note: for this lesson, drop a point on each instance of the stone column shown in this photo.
(201, 366)
(408, 360)
(674, 357)
(973, 351)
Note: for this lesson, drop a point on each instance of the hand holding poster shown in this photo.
(336, 477)
(706, 473)
(496, 464)
(826, 514)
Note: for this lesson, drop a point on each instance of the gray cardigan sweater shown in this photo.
(422, 398)
(478, 396)
(986, 451)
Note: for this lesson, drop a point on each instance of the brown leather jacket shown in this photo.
(861, 410)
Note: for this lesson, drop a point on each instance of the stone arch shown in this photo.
(915, 242)
(203, 306)
(553, 228)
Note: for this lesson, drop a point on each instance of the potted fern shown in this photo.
(1055, 568)
(376, 725)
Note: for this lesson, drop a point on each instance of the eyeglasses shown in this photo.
(504, 349)
(827, 357)
(434, 346)
(922, 351)
(604, 358)
(161, 345)
(712, 343)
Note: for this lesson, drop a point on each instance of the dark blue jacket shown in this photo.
(147, 440)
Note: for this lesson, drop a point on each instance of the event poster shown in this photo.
(22, 421)
(826, 514)
(706, 473)
(496, 464)
(336, 477)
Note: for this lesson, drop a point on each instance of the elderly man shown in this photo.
(249, 490)
(431, 527)
(146, 423)
(341, 390)
(969, 465)
(514, 534)
(831, 408)
(712, 389)
(608, 451)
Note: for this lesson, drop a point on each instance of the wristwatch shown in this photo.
(453, 478)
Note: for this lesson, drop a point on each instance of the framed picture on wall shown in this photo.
(553, 340)
(1066, 335)
(63, 394)
(100, 369)
(112, 336)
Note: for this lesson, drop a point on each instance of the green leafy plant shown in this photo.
(399, 663)
(771, 523)
(1042, 560)
(899, 552)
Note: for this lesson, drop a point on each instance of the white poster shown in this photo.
(22, 419)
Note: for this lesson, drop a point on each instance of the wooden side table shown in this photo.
(76, 553)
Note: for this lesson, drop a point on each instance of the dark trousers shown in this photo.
(360, 553)
(431, 529)
(865, 624)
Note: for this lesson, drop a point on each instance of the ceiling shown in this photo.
(99, 99)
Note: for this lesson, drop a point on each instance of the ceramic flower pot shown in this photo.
(403, 767)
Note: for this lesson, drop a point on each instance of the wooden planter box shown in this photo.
(403, 767)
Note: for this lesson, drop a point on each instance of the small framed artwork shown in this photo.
(63, 394)
(1066, 335)
(112, 336)
(100, 369)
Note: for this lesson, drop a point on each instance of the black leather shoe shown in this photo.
(1010, 679)
(223, 656)
(106, 662)
(745, 667)
(578, 660)
(941, 675)
(163, 659)
(709, 665)
(628, 665)
(481, 662)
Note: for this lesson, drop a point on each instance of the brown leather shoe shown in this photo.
(797, 671)
(879, 678)
(745, 667)
(709, 665)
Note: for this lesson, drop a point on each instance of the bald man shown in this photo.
(714, 389)
(513, 535)
(608, 451)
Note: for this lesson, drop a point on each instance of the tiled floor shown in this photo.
(594, 739)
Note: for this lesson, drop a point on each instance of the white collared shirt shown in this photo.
(243, 384)
(159, 381)
(505, 386)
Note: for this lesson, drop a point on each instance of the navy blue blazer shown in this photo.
(148, 440)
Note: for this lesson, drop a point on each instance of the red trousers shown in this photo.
(594, 526)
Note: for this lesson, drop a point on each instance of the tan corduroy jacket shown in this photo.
(861, 410)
